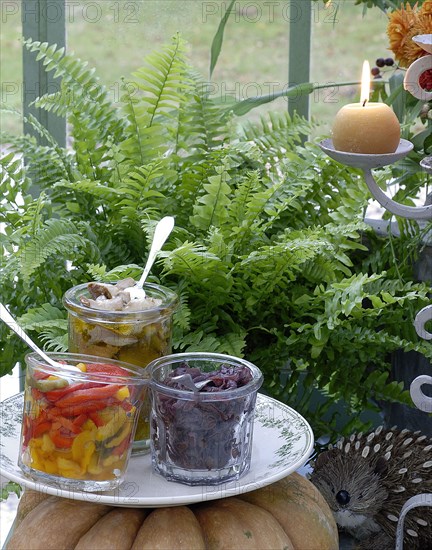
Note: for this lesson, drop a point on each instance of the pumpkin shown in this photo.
(290, 514)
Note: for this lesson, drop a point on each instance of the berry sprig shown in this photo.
(380, 63)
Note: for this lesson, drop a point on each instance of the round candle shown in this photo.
(372, 128)
(366, 128)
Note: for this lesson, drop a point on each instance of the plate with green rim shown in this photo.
(282, 443)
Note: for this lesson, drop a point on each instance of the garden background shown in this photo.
(115, 36)
(371, 299)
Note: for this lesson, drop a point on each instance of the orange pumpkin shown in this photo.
(290, 514)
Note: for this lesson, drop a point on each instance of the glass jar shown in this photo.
(203, 436)
(135, 337)
(78, 426)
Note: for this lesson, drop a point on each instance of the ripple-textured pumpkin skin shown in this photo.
(290, 514)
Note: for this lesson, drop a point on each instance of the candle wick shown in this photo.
(364, 103)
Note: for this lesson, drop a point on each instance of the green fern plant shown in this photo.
(268, 255)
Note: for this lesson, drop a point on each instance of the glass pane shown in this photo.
(116, 36)
(343, 37)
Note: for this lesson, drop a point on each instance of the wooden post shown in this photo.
(43, 21)
(299, 53)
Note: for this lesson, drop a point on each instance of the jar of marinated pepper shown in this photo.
(78, 425)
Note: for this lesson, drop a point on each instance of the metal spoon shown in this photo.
(186, 381)
(6, 317)
(161, 234)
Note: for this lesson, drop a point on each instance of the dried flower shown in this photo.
(403, 25)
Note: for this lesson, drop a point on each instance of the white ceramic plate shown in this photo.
(282, 443)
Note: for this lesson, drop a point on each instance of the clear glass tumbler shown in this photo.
(136, 337)
(202, 436)
(78, 426)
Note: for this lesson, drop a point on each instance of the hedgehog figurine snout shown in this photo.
(343, 497)
(367, 478)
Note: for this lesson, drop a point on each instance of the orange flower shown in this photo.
(426, 8)
(403, 25)
(399, 27)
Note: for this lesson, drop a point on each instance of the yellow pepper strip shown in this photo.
(122, 394)
(83, 444)
(89, 426)
(113, 426)
(124, 432)
(47, 445)
(69, 468)
(112, 460)
(107, 414)
(36, 459)
(50, 466)
(94, 467)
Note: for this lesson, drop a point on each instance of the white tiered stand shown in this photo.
(367, 163)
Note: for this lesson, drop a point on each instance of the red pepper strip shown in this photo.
(43, 416)
(40, 428)
(26, 430)
(83, 408)
(33, 425)
(54, 395)
(79, 420)
(106, 368)
(96, 419)
(56, 426)
(120, 449)
(126, 405)
(37, 394)
(67, 424)
(61, 440)
(82, 396)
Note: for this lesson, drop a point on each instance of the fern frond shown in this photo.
(47, 163)
(158, 89)
(122, 272)
(265, 206)
(43, 317)
(55, 339)
(12, 172)
(105, 195)
(202, 124)
(211, 208)
(164, 80)
(182, 315)
(55, 237)
(96, 271)
(191, 260)
(137, 189)
(80, 92)
(276, 134)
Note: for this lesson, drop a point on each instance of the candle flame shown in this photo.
(365, 86)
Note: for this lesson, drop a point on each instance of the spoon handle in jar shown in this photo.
(7, 318)
(161, 234)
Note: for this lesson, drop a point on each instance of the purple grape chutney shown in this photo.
(199, 434)
(225, 378)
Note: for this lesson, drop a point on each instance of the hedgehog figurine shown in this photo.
(367, 478)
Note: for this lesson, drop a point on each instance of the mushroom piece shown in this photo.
(104, 304)
(102, 289)
(125, 283)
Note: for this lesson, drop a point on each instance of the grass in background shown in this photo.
(115, 36)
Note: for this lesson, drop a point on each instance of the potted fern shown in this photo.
(270, 255)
